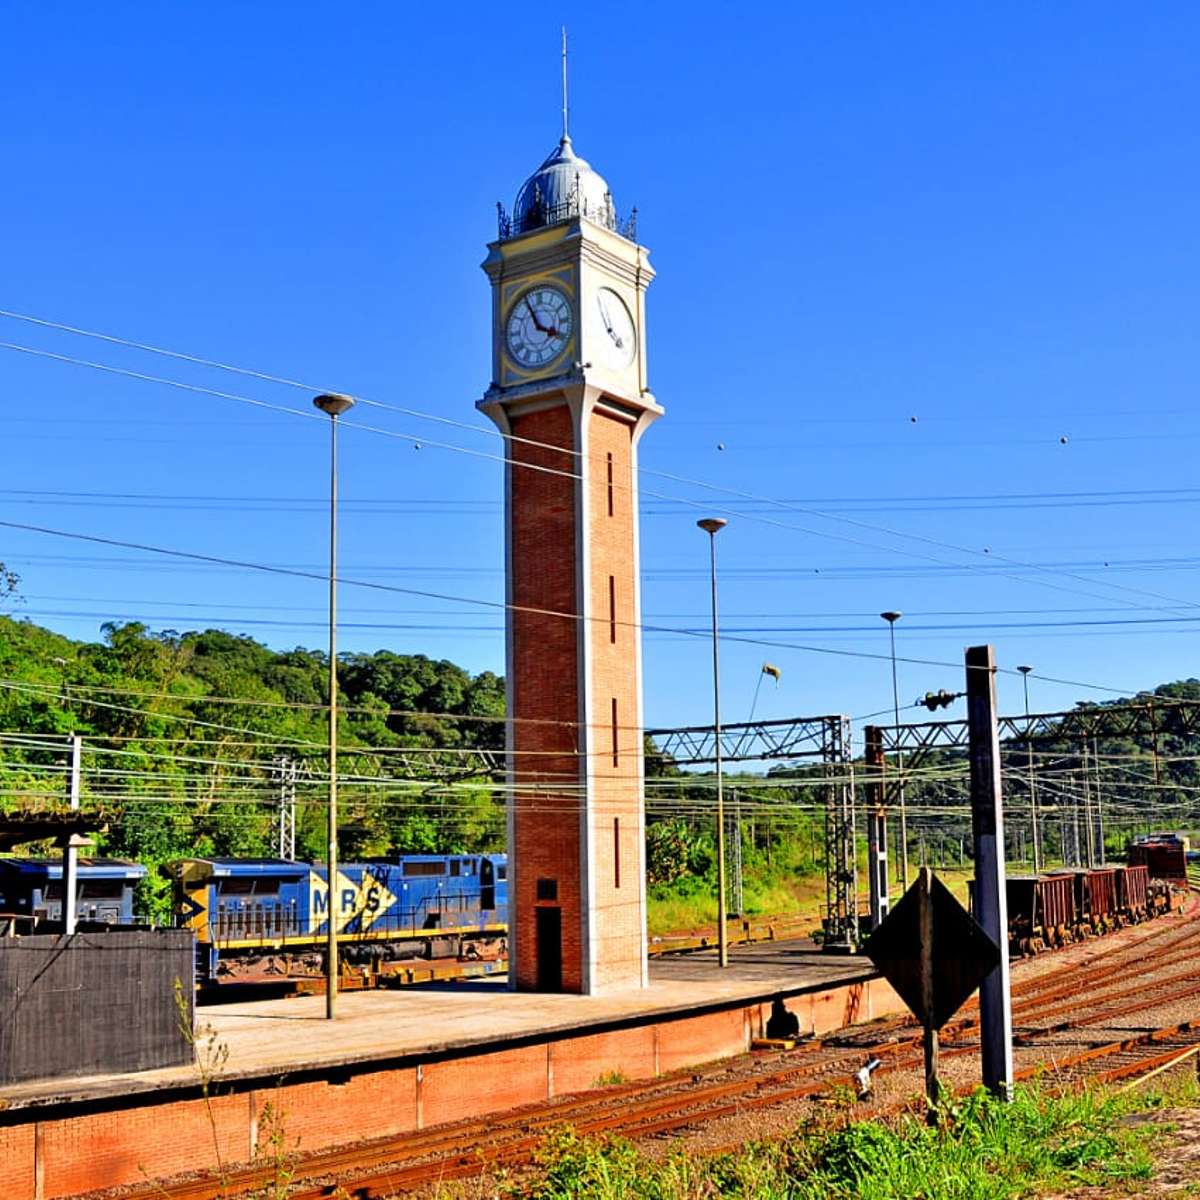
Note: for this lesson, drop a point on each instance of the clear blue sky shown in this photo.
(982, 217)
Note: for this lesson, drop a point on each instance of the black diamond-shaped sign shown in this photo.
(963, 953)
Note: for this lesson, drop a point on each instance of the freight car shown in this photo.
(1166, 860)
(1065, 905)
(31, 892)
(267, 921)
(1041, 912)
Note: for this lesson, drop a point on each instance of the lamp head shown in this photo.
(891, 617)
(1024, 670)
(333, 403)
(712, 525)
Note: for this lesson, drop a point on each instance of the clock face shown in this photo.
(539, 326)
(617, 340)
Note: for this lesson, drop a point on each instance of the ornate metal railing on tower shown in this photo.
(825, 739)
(540, 214)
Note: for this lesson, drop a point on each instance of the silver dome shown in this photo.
(564, 186)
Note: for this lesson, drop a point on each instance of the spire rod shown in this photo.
(566, 135)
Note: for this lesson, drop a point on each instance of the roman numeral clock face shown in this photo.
(539, 327)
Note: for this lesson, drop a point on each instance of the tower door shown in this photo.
(549, 949)
(487, 884)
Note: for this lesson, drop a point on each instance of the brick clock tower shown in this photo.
(569, 393)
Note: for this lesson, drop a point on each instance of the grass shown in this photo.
(983, 1150)
(675, 910)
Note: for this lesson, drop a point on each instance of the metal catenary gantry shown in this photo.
(913, 744)
(825, 740)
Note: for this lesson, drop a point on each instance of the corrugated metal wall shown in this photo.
(94, 1003)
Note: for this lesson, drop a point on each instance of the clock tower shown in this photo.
(569, 393)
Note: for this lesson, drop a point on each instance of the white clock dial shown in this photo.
(617, 340)
(539, 326)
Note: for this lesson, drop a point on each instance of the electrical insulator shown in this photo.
(938, 699)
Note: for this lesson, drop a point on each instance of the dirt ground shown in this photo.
(1176, 1159)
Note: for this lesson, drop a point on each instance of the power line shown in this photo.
(496, 604)
(746, 496)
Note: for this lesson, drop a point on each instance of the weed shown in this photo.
(609, 1078)
(982, 1150)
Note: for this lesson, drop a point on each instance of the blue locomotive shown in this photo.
(267, 920)
(31, 892)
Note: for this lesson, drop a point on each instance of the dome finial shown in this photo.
(566, 133)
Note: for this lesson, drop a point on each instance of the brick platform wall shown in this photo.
(111, 1149)
(140, 1140)
(380, 1104)
(583, 1062)
(487, 1083)
(16, 1160)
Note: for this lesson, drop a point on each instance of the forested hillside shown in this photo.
(190, 739)
(184, 733)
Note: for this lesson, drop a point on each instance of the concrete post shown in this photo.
(991, 907)
(877, 851)
(70, 852)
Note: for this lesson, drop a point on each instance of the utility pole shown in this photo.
(334, 405)
(738, 897)
(1099, 805)
(891, 618)
(712, 526)
(877, 851)
(1033, 804)
(71, 845)
(991, 905)
(1089, 832)
(287, 771)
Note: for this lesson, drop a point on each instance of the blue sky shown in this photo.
(903, 252)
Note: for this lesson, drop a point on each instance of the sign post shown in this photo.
(934, 954)
(991, 902)
(932, 1084)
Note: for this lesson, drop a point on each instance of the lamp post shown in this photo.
(333, 404)
(891, 618)
(1033, 809)
(712, 526)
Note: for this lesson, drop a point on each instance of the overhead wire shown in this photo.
(496, 604)
(146, 347)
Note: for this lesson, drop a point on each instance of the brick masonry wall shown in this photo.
(546, 842)
(581, 1063)
(16, 1160)
(110, 1149)
(617, 792)
(379, 1104)
(488, 1083)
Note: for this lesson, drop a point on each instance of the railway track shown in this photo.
(739, 932)
(1134, 960)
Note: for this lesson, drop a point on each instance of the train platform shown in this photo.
(288, 1036)
(411, 1058)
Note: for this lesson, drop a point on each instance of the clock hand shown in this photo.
(605, 317)
(612, 333)
(536, 323)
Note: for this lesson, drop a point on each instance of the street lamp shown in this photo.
(1033, 810)
(333, 404)
(891, 618)
(712, 526)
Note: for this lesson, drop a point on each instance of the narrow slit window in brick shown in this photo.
(616, 852)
